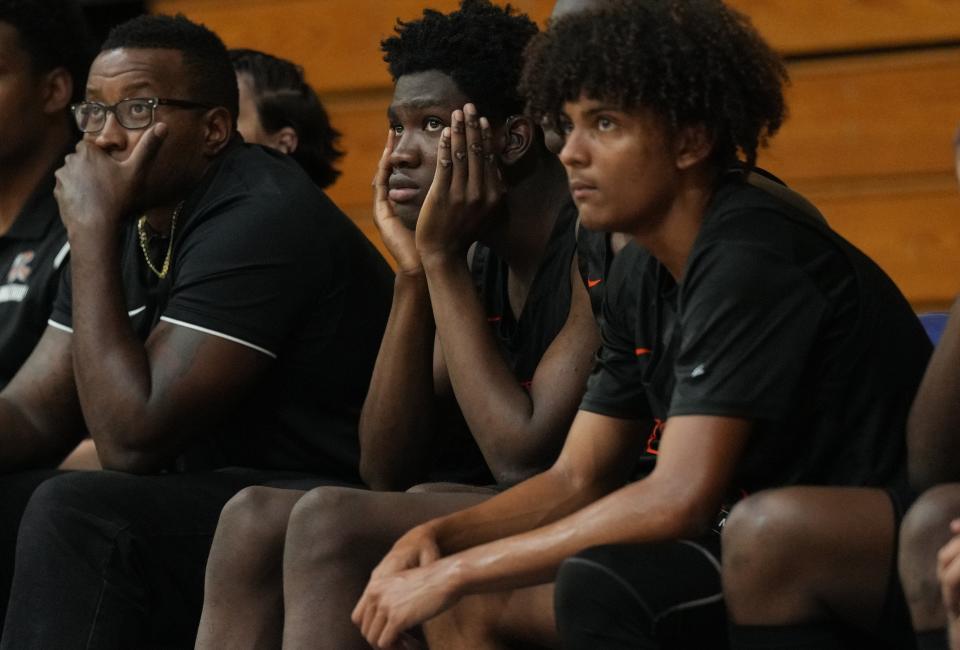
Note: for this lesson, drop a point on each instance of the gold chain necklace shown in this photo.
(144, 237)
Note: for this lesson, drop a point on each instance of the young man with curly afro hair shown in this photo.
(746, 345)
(485, 356)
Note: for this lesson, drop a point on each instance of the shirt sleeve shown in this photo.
(616, 387)
(251, 274)
(749, 317)
(61, 316)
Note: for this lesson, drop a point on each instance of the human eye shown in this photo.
(138, 108)
(397, 129)
(433, 124)
(564, 125)
(605, 123)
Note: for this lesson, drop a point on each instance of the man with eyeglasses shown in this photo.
(216, 328)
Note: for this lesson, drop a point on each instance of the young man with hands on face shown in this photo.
(485, 355)
(217, 328)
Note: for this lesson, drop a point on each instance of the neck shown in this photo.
(671, 237)
(532, 206)
(22, 173)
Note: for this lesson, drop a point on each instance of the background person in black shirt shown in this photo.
(219, 311)
(44, 54)
(279, 109)
(504, 343)
(740, 324)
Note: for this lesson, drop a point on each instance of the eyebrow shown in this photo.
(128, 89)
(425, 102)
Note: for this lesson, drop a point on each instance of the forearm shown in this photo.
(497, 409)
(933, 429)
(111, 365)
(398, 417)
(642, 512)
(539, 500)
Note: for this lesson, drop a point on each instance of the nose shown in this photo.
(406, 152)
(573, 153)
(112, 137)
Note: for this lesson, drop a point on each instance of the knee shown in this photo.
(62, 501)
(925, 529)
(926, 526)
(254, 521)
(759, 540)
(326, 524)
(248, 544)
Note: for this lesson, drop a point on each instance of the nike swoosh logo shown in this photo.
(592, 283)
(642, 351)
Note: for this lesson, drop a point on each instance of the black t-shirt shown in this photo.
(263, 258)
(522, 341)
(594, 257)
(31, 255)
(778, 320)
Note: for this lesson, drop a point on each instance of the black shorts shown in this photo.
(622, 596)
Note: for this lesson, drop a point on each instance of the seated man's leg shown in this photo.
(643, 596)
(15, 491)
(243, 593)
(813, 567)
(926, 529)
(335, 539)
(523, 618)
(114, 560)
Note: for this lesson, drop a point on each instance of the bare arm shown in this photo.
(398, 417)
(39, 414)
(696, 461)
(518, 431)
(933, 428)
(397, 421)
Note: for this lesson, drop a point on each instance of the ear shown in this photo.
(519, 132)
(218, 129)
(285, 140)
(57, 91)
(693, 145)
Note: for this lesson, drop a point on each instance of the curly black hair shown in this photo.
(689, 61)
(480, 46)
(211, 76)
(284, 99)
(54, 34)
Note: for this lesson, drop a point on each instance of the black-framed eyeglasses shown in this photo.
(132, 113)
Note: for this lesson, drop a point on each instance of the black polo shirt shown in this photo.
(778, 320)
(31, 255)
(263, 258)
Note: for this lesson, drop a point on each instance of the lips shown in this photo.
(581, 189)
(402, 189)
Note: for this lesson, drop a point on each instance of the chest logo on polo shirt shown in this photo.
(20, 269)
(699, 371)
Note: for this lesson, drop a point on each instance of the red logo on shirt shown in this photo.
(20, 270)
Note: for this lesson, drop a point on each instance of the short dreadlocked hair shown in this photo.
(480, 47)
(210, 75)
(284, 99)
(689, 61)
(54, 34)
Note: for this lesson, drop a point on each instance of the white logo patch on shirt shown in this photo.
(20, 269)
(13, 292)
(698, 371)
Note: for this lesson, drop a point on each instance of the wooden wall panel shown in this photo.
(868, 139)
(806, 26)
(870, 116)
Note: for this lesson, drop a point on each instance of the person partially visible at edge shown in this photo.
(279, 109)
(502, 338)
(745, 343)
(930, 539)
(218, 312)
(45, 53)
